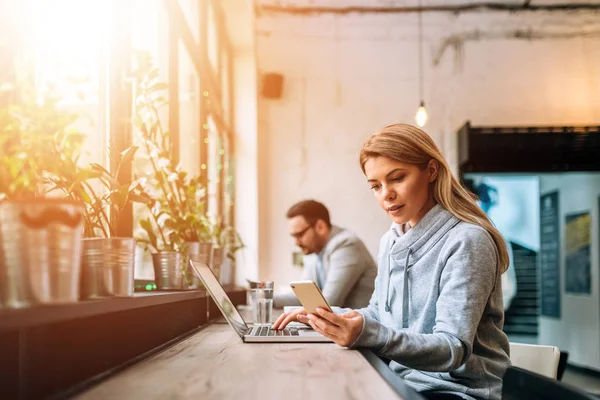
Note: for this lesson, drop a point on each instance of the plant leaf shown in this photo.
(139, 199)
(128, 154)
(99, 168)
(158, 86)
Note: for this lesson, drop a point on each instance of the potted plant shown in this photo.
(174, 228)
(227, 242)
(40, 236)
(191, 224)
(107, 260)
(176, 223)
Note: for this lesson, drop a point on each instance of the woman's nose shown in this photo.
(387, 193)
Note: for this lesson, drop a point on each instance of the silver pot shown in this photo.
(217, 260)
(200, 252)
(95, 274)
(227, 271)
(120, 259)
(40, 250)
(168, 271)
(107, 266)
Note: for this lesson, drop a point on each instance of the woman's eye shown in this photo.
(375, 187)
(398, 178)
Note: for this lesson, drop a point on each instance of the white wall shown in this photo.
(578, 329)
(348, 75)
(240, 21)
(246, 163)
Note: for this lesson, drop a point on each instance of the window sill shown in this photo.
(48, 350)
(15, 319)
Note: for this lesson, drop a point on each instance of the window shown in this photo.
(189, 114)
(90, 43)
(199, 121)
(213, 38)
(74, 66)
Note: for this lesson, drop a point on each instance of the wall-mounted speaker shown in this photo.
(272, 85)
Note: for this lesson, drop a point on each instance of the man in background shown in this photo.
(334, 258)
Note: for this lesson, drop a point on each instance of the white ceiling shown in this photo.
(408, 3)
(240, 22)
(240, 13)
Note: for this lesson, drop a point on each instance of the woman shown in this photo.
(437, 311)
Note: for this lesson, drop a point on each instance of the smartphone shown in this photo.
(310, 296)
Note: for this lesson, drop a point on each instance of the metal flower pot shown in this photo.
(200, 252)
(95, 273)
(227, 271)
(120, 260)
(196, 251)
(168, 271)
(40, 250)
(217, 260)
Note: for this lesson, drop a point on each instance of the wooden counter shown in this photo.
(215, 364)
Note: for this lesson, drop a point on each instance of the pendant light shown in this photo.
(421, 116)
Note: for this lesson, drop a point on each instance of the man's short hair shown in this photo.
(311, 210)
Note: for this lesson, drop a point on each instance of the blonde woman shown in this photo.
(437, 310)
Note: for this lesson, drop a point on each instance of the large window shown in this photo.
(72, 66)
(84, 50)
(188, 41)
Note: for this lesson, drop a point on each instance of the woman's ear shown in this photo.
(433, 168)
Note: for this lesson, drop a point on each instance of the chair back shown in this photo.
(540, 359)
(520, 384)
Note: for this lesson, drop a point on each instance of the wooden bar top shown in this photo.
(215, 364)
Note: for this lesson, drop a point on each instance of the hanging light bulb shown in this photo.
(421, 116)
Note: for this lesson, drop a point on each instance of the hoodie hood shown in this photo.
(423, 236)
(406, 249)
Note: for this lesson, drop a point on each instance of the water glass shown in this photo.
(257, 285)
(262, 305)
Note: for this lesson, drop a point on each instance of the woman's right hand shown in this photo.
(297, 315)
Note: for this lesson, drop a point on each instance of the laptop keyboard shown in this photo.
(267, 331)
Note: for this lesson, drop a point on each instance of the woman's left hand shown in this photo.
(343, 329)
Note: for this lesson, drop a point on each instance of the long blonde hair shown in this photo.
(409, 144)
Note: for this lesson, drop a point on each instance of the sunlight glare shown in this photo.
(70, 42)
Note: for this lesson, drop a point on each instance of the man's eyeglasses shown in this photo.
(298, 235)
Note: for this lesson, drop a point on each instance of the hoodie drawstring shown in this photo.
(405, 279)
(405, 292)
(389, 271)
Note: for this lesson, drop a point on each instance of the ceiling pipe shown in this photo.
(457, 8)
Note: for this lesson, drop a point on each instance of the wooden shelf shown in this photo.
(15, 319)
(48, 350)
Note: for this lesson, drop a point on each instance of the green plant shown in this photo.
(116, 196)
(176, 215)
(35, 137)
(226, 237)
(104, 204)
(41, 150)
(73, 182)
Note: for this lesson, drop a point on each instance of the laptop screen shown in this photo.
(216, 291)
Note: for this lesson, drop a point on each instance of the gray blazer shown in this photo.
(350, 272)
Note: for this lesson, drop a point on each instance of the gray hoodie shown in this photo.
(437, 307)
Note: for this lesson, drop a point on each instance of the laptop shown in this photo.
(250, 334)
